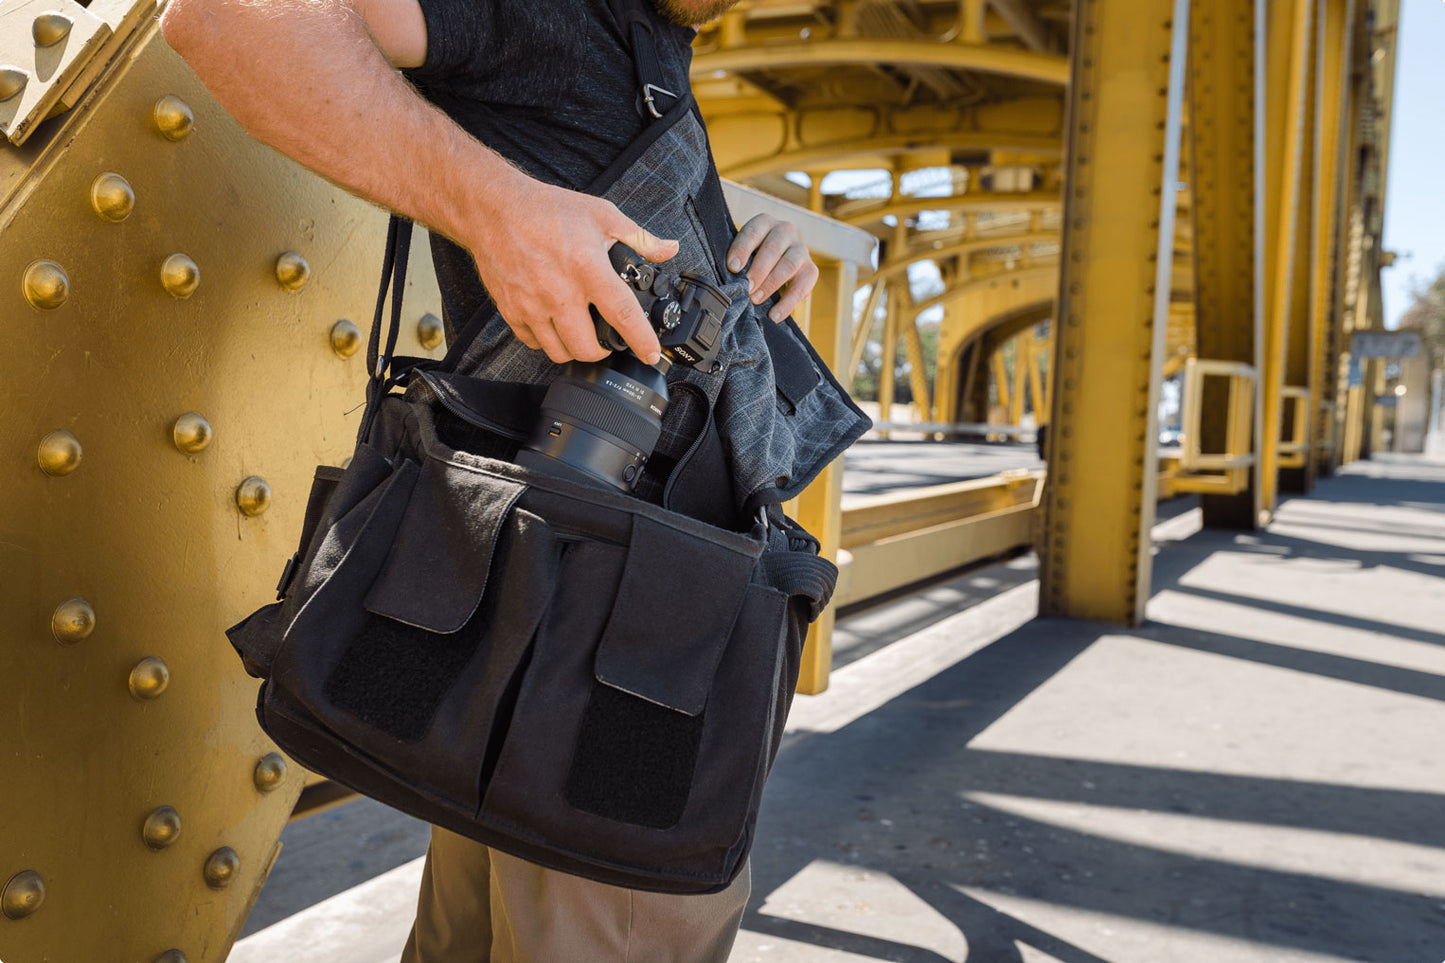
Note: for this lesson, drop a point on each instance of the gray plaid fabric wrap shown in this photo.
(769, 443)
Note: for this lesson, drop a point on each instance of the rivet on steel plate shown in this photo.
(345, 338)
(254, 495)
(46, 284)
(23, 894)
(149, 678)
(171, 956)
(50, 28)
(112, 197)
(180, 276)
(221, 867)
(173, 117)
(270, 771)
(59, 453)
(161, 828)
(72, 620)
(12, 81)
(292, 271)
(429, 331)
(191, 433)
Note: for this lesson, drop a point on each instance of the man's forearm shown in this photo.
(306, 77)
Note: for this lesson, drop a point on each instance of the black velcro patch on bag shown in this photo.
(393, 676)
(634, 760)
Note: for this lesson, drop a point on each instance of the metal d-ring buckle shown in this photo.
(763, 517)
(647, 91)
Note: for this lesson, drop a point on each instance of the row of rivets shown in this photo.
(46, 284)
(23, 894)
(59, 452)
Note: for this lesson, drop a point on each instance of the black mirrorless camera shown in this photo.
(599, 421)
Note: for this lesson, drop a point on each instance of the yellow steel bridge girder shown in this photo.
(980, 58)
(753, 143)
(1125, 106)
(1226, 95)
(140, 789)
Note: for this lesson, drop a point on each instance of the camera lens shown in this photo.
(599, 422)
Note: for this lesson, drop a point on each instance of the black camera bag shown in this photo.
(569, 674)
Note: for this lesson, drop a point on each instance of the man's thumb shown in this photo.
(644, 242)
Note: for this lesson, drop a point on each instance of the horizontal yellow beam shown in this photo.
(980, 58)
(1050, 269)
(985, 202)
(897, 513)
(834, 154)
(894, 267)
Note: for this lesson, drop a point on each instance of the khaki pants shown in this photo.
(478, 905)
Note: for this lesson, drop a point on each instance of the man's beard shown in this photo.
(693, 13)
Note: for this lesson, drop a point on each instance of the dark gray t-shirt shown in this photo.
(548, 84)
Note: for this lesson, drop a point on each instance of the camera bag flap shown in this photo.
(437, 570)
(670, 577)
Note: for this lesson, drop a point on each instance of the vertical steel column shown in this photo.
(1331, 199)
(819, 507)
(917, 369)
(1287, 66)
(1296, 473)
(1225, 94)
(1126, 102)
(892, 308)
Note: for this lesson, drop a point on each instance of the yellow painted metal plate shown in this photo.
(152, 536)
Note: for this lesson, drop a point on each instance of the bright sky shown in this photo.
(1415, 188)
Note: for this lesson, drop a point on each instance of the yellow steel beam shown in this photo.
(1019, 275)
(1001, 381)
(1331, 161)
(929, 252)
(1286, 89)
(862, 329)
(766, 154)
(917, 369)
(978, 58)
(901, 538)
(1126, 103)
(981, 202)
(892, 317)
(1296, 470)
(1225, 92)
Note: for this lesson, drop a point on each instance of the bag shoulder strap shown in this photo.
(393, 278)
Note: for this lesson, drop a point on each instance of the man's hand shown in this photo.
(779, 259)
(545, 260)
(540, 250)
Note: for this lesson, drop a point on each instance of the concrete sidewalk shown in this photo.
(1255, 775)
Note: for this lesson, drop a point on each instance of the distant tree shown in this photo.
(1427, 312)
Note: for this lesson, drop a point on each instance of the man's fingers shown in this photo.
(624, 229)
(524, 334)
(775, 248)
(548, 341)
(788, 267)
(798, 289)
(619, 307)
(580, 337)
(748, 239)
